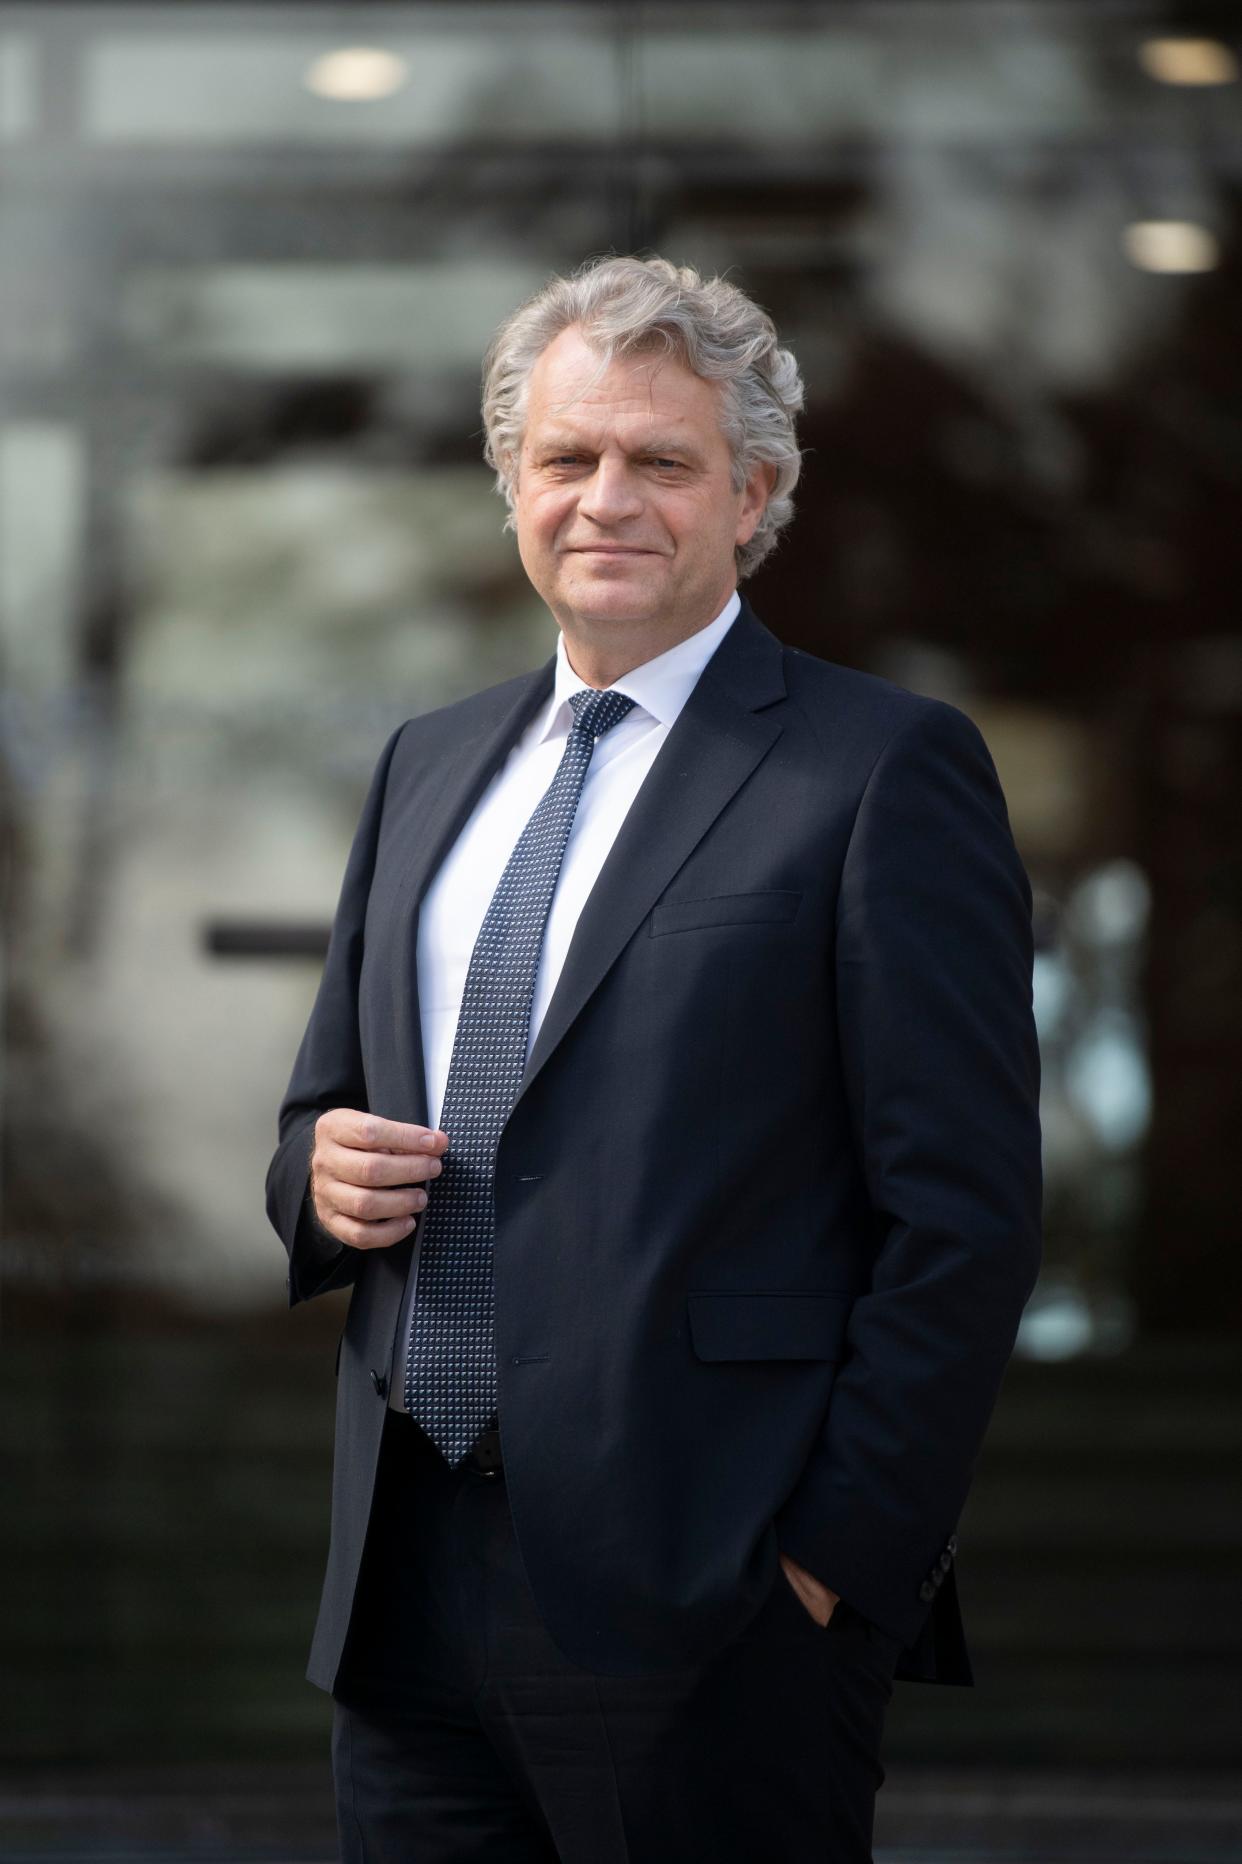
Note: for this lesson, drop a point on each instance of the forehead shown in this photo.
(652, 388)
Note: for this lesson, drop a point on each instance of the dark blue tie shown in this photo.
(450, 1368)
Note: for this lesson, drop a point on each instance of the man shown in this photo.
(670, 1103)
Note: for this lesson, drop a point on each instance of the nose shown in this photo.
(611, 494)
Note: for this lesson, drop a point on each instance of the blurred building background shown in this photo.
(249, 259)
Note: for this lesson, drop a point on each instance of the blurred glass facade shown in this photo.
(245, 529)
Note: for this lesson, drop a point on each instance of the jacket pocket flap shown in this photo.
(724, 909)
(768, 1326)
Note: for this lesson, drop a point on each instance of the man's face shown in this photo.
(624, 505)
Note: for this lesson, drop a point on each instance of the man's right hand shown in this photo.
(367, 1176)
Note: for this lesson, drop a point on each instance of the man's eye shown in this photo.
(664, 462)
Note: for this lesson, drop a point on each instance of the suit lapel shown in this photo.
(459, 785)
(715, 744)
(439, 811)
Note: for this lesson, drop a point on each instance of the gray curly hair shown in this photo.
(626, 304)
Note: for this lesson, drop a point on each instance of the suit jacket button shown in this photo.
(946, 1561)
(927, 1591)
(380, 1382)
(951, 1543)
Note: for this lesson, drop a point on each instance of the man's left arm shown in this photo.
(938, 1046)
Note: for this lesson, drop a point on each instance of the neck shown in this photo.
(602, 653)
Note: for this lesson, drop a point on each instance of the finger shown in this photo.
(367, 1235)
(372, 1206)
(367, 1131)
(349, 1165)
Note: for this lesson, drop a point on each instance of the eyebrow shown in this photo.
(658, 444)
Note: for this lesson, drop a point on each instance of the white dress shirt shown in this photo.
(454, 905)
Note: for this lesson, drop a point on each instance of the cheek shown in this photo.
(544, 518)
(704, 526)
(690, 520)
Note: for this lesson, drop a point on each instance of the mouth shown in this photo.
(609, 550)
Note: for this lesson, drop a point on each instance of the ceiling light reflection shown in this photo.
(356, 73)
(1171, 246)
(1188, 61)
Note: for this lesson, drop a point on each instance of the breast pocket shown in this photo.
(750, 1325)
(724, 909)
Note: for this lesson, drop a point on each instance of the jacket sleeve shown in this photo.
(328, 1071)
(933, 976)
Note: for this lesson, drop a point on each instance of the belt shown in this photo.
(483, 1456)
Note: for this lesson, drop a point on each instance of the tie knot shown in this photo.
(596, 712)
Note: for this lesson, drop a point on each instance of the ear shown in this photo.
(760, 484)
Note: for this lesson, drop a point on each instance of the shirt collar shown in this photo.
(660, 687)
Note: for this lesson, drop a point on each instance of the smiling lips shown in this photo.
(609, 550)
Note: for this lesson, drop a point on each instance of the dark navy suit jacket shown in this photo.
(767, 1205)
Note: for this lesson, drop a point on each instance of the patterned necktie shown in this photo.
(450, 1369)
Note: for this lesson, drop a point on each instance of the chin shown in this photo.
(615, 600)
